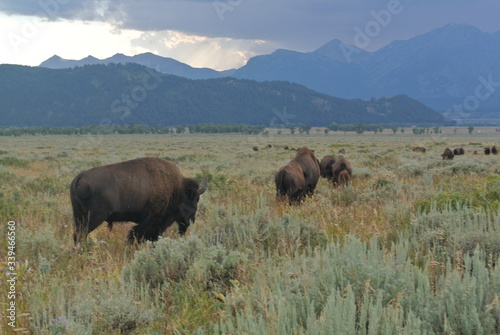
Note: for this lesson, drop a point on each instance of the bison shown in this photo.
(342, 151)
(310, 167)
(494, 150)
(419, 149)
(290, 181)
(447, 154)
(344, 178)
(459, 151)
(340, 165)
(325, 167)
(487, 150)
(148, 191)
(255, 148)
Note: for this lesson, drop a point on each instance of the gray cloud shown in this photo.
(296, 24)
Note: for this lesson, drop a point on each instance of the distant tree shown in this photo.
(180, 130)
(359, 128)
(292, 130)
(402, 130)
(394, 130)
(305, 128)
(471, 129)
(327, 131)
(381, 130)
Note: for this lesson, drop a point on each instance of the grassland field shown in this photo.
(410, 247)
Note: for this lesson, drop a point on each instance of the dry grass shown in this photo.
(390, 181)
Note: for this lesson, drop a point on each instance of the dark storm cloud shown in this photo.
(295, 23)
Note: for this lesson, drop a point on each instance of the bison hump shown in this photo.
(83, 189)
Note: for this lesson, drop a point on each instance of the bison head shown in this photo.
(189, 203)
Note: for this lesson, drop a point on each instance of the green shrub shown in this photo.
(14, 161)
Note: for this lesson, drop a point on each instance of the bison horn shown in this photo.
(203, 187)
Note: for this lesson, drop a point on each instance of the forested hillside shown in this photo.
(120, 94)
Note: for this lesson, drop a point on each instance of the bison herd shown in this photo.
(299, 177)
(153, 193)
(449, 154)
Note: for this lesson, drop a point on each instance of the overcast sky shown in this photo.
(218, 34)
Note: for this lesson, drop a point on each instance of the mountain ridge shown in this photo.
(117, 93)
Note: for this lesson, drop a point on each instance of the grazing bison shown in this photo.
(148, 191)
(487, 150)
(342, 151)
(494, 150)
(419, 149)
(285, 147)
(310, 167)
(459, 151)
(325, 167)
(475, 152)
(255, 148)
(447, 154)
(341, 164)
(344, 178)
(290, 181)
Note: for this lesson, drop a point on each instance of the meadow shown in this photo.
(412, 246)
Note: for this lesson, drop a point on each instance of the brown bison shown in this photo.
(419, 149)
(325, 167)
(310, 167)
(487, 150)
(255, 148)
(494, 150)
(342, 151)
(290, 181)
(148, 191)
(458, 151)
(341, 164)
(344, 178)
(447, 154)
(286, 147)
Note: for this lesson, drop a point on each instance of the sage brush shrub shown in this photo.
(189, 260)
(452, 232)
(360, 288)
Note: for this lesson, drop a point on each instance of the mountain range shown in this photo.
(454, 69)
(130, 93)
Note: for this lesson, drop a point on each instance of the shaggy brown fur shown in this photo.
(148, 191)
(341, 164)
(290, 181)
(325, 167)
(310, 167)
(447, 154)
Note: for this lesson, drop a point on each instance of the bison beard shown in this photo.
(148, 191)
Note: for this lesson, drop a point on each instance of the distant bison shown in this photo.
(342, 151)
(325, 167)
(487, 150)
(290, 182)
(286, 147)
(341, 164)
(494, 150)
(310, 167)
(447, 154)
(419, 149)
(148, 191)
(458, 151)
(255, 148)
